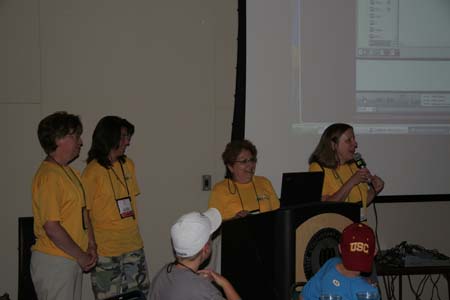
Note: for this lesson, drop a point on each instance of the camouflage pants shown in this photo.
(119, 274)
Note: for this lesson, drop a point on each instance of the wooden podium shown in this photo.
(264, 255)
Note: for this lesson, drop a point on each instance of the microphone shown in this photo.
(360, 163)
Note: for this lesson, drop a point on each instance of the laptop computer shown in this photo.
(300, 188)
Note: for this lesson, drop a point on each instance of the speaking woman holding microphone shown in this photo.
(343, 180)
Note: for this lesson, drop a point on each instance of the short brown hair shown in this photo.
(56, 126)
(232, 151)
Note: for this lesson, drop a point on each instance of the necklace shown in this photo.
(236, 190)
(189, 268)
(172, 264)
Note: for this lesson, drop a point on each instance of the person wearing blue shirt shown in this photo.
(342, 275)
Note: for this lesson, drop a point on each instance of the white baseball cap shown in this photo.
(192, 231)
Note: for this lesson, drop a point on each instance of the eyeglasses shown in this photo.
(252, 160)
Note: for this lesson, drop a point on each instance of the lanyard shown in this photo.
(337, 176)
(236, 190)
(123, 183)
(75, 182)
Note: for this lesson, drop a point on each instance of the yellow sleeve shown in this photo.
(327, 188)
(315, 167)
(228, 204)
(132, 170)
(48, 194)
(216, 201)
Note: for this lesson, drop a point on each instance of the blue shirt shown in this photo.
(328, 280)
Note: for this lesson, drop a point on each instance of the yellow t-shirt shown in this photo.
(57, 196)
(230, 197)
(114, 235)
(335, 178)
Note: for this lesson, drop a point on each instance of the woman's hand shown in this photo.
(361, 175)
(92, 251)
(213, 276)
(86, 261)
(230, 292)
(377, 183)
(241, 214)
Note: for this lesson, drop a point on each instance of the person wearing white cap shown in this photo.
(182, 279)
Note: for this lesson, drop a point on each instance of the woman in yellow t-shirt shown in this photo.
(111, 193)
(241, 192)
(65, 245)
(343, 180)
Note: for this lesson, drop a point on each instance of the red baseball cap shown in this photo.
(358, 247)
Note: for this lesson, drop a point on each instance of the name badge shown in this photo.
(124, 207)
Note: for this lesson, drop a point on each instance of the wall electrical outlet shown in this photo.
(206, 182)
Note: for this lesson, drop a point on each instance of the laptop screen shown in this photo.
(300, 188)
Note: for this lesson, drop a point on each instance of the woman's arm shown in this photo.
(228, 289)
(59, 236)
(361, 175)
(376, 186)
(92, 245)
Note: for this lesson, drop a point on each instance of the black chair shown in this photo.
(26, 240)
(133, 295)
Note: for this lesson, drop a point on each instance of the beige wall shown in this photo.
(167, 66)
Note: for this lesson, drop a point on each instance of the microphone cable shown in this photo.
(375, 212)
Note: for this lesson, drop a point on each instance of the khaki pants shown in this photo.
(55, 277)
